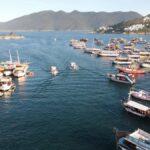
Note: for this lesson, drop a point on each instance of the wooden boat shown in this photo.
(137, 140)
(136, 108)
(141, 94)
(122, 61)
(6, 83)
(1, 94)
(121, 78)
(130, 70)
(144, 53)
(1, 74)
(1, 68)
(20, 71)
(8, 72)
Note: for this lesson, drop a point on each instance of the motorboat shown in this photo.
(6, 83)
(121, 78)
(74, 66)
(136, 108)
(140, 94)
(54, 71)
(137, 140)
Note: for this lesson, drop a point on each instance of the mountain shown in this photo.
(141, 24)
(75, 20)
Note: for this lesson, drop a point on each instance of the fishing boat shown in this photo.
(136, 108)
(6, 83)
(54, 71)
(137, 140)
(121, 78)
(140, 94)
(73, 66)
(20, 71)
(122, 61)
(131, 70)
(21, 68)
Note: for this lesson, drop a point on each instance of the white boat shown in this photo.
(74, 66)
(122, 61)
(146, 64)
(137, 140)
(140, 94)
(6, 83)
(136, 108)
(19, 72)
(106, 53)
(54, 71)
(1, 74)
(121, 78)
(7, 72)
(1, 94)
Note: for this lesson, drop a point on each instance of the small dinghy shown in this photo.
(73, 66)
(121, 78)
(54, 70)
(141, 94)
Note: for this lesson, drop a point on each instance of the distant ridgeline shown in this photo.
(139, 26)
(66, 21)
(11, 36)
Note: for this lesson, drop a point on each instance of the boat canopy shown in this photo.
(137, 105)
(140, 138)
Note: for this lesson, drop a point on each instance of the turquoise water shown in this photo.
(72, 111)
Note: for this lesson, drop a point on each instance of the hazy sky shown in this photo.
(10, 9)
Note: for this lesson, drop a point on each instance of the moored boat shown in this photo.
(121, 78)
(141, 94)
(20, 70)
(122, 61)
(136, 108)
(146, 64)
(106, 53)
(6, 83)
(130, 70)
(137, 140)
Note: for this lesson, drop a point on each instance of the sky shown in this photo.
(10, 9)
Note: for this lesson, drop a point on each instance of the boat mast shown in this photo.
(10, 58)
(18, 57)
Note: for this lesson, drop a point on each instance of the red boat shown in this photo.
(130, 70)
